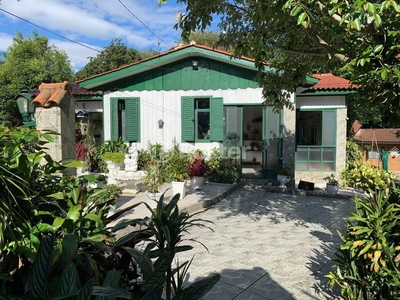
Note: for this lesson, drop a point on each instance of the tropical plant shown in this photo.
(331, 180)
(222, 169)
(368, 177)
(163, 233)
(367, 262)
(197, 166)
(154, 178)
(283, 170)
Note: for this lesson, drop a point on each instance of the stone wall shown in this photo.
(60, 119)
(289, 140)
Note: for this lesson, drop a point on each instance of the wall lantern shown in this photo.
(25, 108)
(160, 123)
(195, 65)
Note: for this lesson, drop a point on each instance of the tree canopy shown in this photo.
(111, 57)
(356, 39)
(27, 63)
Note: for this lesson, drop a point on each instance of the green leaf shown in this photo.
(198, 289)
(357, 24)
(145, 263)
(378, 48)
(111, 292)
(41, 268)
(295, 11)
(58, 222)
(366, 248)
(73, 213)
(95, 218)
(69, 280)
(384, 74)
(86, 292)
(378, 20)
(301, 18)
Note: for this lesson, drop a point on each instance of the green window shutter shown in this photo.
(187, 119)
(216, 119)
(114, 119)
(132, 113)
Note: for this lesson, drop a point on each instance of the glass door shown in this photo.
(232, 144)
(272, 142)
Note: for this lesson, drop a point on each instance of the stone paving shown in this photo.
(268, 245)
(264, 244)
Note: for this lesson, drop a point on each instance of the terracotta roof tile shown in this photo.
(76, 91)
(329, 81)
(52, 93)
(380, 135)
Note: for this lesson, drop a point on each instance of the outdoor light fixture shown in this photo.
(160, 123)
(25, 108)
(195, 64)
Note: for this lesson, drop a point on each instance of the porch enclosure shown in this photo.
(253, 138)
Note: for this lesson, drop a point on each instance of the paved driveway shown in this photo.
(268, 245)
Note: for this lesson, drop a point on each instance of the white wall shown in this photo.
(166, 105)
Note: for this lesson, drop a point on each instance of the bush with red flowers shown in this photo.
(197, 166)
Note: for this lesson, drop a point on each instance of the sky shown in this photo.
(91, 23)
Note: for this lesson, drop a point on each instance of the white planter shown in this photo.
(283, 180)
(197, 182)
(332, 189)
(152, 199)
(179, 188)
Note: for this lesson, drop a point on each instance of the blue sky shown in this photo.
(93, 23)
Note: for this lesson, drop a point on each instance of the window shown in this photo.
(316, 140)
(202, 119)
(125, 116)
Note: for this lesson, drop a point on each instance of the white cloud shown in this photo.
(5, 41)
(94, 22)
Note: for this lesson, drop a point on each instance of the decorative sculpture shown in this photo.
(131, 159)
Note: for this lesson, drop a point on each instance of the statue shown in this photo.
(131, 158)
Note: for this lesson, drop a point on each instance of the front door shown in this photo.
(231, 146)
(272, 142)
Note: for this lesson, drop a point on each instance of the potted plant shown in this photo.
(283, 173)
(114, 160)
(177, 170)
(197, 169)
(332, 184)
(153, 180)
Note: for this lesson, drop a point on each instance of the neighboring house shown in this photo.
(374, 142)
(203, 98)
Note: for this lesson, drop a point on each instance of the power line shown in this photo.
(72, 41)
(143, 23)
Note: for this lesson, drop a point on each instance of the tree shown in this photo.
(207, 38)
(298, 37)
(26, 64)
(111, 57)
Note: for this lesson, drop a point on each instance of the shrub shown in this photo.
(368, 177)
(331, 180)
(367, 263)
(222, 169)
(176, 165)
(115, 157)
(197, 166)
(81, 150)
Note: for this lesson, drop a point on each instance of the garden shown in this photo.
(56, 241)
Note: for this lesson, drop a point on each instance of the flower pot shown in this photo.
(179, 187)
(283, 180)
(197, 182)
(152, 199)
(332, 189)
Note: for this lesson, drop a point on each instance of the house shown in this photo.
(375, 141)
(203, 98)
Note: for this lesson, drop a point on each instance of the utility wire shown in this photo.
(25, 20)
(143, 23)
